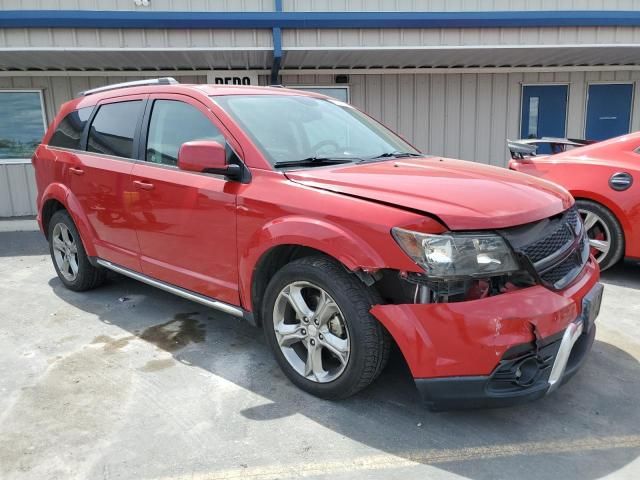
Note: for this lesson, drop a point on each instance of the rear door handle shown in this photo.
(143, 185)
(76, 171)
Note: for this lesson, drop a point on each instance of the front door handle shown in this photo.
(76, 171)
(143, 185)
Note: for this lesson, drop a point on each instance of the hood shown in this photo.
(464, 195)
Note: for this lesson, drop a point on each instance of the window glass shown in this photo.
(533, 117)
(114, 127)
(172, 124)
(21, 124)
(69, 131)
(291, 127)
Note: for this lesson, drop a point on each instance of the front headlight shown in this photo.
(457, 254)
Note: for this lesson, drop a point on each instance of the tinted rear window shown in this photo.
(113, 128)
(69, 131)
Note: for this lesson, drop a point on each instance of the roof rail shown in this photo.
(136, 83)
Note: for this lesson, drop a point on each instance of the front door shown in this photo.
(608, 110)
(186, 221)
(100, 178)
(544, 113)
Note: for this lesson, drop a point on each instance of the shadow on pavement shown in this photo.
(624, 274)
(587, 429)
(23, 244)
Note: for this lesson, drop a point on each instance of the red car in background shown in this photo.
(603, 179)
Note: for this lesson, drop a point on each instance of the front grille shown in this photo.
(559, 249)
(564, 268)
(553, 242)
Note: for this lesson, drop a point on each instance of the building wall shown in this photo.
(441, 37)
(17, 190)
(468, 115)
(454, 5)
(155, 5)
(324, 5)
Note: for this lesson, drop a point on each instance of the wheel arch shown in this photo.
(59, 197)
(290, 237)
(270, 263)
(618, 214)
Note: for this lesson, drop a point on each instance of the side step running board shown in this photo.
(195, 297)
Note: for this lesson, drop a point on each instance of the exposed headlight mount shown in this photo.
(456, 255)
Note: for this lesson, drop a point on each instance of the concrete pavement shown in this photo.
(128, 382)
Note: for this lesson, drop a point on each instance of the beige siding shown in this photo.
(324, 5)
(17, 190)
(133, 38)
(455, 5)
(155, 5)
(453, 37)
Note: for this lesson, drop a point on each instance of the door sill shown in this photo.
(181, 292)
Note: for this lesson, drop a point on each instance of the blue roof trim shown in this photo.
(251, 20)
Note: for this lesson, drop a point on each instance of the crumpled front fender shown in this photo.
(470, 338)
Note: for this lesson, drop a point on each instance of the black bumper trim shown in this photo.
(453, 393)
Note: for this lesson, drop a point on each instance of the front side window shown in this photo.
(172, 124)
(22, 123)
(113, 128)
(289, 128)
(69, 130)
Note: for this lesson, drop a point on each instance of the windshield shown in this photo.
(291, 128)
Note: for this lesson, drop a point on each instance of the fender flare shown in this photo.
(61, 193)
(332, 240)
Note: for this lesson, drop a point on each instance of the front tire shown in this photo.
(606, 237)
(318, 325)
(69, 256)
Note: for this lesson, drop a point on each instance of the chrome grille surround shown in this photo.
(559, 251)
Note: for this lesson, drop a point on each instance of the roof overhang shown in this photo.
(131, 59)
(463, 56)
(135, 59)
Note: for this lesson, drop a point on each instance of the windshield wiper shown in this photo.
(314, 161)
(397, 155)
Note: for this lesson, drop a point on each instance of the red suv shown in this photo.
(303, 215)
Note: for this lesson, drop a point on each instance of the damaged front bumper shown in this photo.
(496, 351)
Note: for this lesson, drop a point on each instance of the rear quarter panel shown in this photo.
(589, 179)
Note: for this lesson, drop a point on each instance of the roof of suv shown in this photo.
(90, 99)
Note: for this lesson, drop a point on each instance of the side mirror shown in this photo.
(207, 156)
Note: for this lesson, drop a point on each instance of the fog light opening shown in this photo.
(527, 372)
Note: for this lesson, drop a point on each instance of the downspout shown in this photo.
(277, 48)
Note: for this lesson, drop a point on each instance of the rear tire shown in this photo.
(353, 346)
(605, 234)
(69, 256)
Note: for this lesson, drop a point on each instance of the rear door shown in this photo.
(101, 178)
(186, 221)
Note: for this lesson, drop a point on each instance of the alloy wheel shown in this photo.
(598, 233)
(311, 332)
(65, 251)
